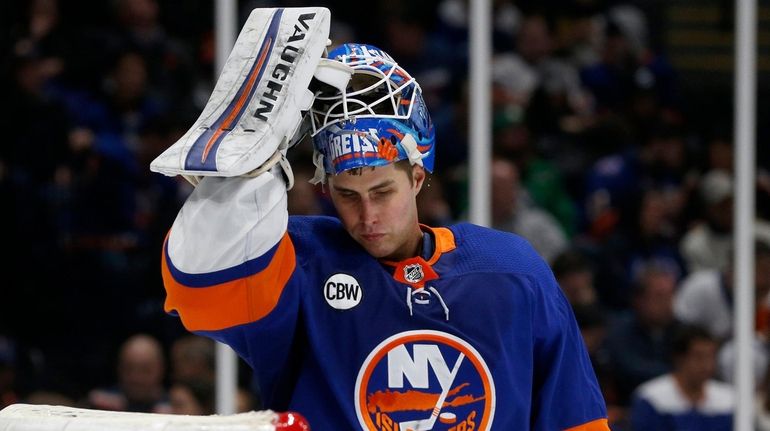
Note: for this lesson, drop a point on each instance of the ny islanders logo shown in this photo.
(425, 380)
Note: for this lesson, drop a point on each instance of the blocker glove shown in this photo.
(255, 112)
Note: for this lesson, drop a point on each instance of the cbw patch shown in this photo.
(425, 380)
(342, 291)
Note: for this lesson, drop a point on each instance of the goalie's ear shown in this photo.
(258, 102)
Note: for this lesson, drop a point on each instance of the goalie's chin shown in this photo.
(375, 244)
(381, 246)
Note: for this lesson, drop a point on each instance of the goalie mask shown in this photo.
(369, 112)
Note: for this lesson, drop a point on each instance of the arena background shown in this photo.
(603, 106)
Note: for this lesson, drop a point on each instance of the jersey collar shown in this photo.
(415, 271)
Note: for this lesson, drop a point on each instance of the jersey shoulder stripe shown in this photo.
(231, 303)
(597, 425)
(206, 279)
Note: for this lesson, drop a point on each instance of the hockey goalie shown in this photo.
(368, 320)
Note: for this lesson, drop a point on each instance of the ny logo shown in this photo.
(415, 369)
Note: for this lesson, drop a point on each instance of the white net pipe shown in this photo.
(744, 208)
(25, 417)
(480, 136)
(226, 14)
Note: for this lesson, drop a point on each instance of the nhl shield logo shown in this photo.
(413, 273)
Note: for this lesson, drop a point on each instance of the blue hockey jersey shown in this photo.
(475, 336)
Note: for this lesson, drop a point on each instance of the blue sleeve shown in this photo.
(566, 393)
(230, 271)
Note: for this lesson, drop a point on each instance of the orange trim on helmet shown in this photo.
(396, 133)
(233, 303)
(386, 150)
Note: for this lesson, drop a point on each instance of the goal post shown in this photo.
(28, 417)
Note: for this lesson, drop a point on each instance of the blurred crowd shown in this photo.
(601, 160)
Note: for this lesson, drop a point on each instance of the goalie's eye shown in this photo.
(348, 196)
(382, 193)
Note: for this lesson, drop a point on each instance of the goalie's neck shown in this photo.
(428, 244)
(418, 270)
(428, 248)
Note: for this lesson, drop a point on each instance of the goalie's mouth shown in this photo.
(372, 237)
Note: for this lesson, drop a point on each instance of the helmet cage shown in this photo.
(370, 114)
(388, 91)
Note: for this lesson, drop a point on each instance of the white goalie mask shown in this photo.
(369, 113)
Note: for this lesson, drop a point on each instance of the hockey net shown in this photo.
(26, 417)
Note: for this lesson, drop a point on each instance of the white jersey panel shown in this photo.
(228, 221)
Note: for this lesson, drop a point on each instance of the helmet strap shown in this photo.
(410, 145)
(320, 173)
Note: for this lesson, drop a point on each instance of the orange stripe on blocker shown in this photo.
(597, 425)
(236, 302)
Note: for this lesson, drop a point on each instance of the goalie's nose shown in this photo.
(368, 213)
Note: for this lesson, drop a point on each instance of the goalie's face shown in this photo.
(378, 208)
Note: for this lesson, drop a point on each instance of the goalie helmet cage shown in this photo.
(26, 417)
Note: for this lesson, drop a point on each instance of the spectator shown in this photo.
(139, 387)
(708, 244)
(139, 29)
(514, 140)
(128, 108)
(192, 397)
(575, 275)
(593, 321)
(512, 212)
(705, 297)
(639, 343)
(687, 398)
(724, 315)
(557, 91)
(629, 77)
(647, 235)
(193, 375)
(193, 358)
(762, 407)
